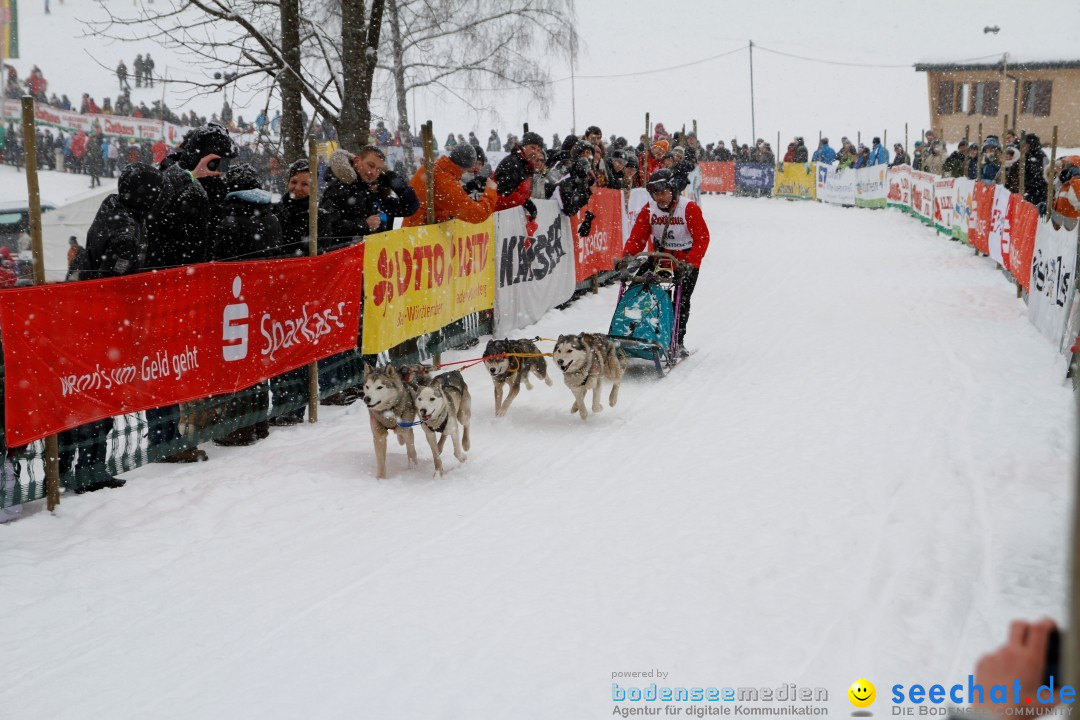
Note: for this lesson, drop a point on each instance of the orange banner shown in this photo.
(717, 177)
(599, 251)
(1023, 223)
(982, 208)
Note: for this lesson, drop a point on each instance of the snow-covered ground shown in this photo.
(863, 471)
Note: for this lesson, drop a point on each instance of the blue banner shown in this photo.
(756, 178)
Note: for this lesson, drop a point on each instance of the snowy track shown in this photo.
(862, 472)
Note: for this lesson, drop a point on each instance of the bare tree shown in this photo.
(471, 47)
(325, 53)
(273, 44)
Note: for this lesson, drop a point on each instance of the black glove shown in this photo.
(395, 182)
(530, 210)
(585, 227)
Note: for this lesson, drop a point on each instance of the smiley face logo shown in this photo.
(862, 693)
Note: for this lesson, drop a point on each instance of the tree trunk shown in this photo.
(359, 48)
(292, 123)
(371, 58)
(399, 84)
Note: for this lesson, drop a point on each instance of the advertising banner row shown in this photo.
(110, 125)
(863, 187)
(79, 352)
(1004, 226)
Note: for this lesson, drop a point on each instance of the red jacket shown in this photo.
(516, 198)
(160, 150)
(642, 234)
(78, 145)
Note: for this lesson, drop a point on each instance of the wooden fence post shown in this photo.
(428, 138)
(313, 250)
(1052, 171)
(52, 450)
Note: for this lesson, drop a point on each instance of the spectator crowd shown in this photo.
(211, 200)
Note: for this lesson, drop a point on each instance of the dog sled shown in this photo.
(646, 322)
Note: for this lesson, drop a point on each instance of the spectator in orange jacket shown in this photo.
(451, 200)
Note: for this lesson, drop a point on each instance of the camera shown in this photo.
(220, 165)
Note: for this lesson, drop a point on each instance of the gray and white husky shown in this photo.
(514, 369)
(445, 407)
(586, 360)
(390, 403)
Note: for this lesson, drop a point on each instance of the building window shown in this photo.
(990, 98)
(1036, 97)
(963, 97)
(945, 97)
(980, 98)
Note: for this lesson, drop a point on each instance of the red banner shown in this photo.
(599, 251)
(717, 177)
(78, 352)
(982, 208)
(1023, 223)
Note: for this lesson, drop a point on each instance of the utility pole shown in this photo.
(753, 125)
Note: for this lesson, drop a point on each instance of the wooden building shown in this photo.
(1040, 94)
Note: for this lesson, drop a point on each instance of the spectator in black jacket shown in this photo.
(180, 222)
(973, 160)
(721, 153)
(289, 389)
(362, 197)
(956, 164)
(1035, 164)
(900, 156)
(116, 243)
(684, 165)
(294, 214)
(245, 228)
(801, 153)
(179, 234)
(115, 246)
(513, 176)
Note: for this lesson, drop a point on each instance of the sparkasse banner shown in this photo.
(79, 352)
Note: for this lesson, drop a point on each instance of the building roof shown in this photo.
(1031, 65)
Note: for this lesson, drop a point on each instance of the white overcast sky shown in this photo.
(794, 96)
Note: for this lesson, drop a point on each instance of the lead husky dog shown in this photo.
(445, 407)
(390, 403)
(512, 369)
(586, 360)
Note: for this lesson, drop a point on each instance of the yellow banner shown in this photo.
(419, 279)
(795, 180)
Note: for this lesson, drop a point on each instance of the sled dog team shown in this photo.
(396, 396)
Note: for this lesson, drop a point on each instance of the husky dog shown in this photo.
(445, 407)
(390, 404)
(414, 373)
(586, 360)
(513, 370)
